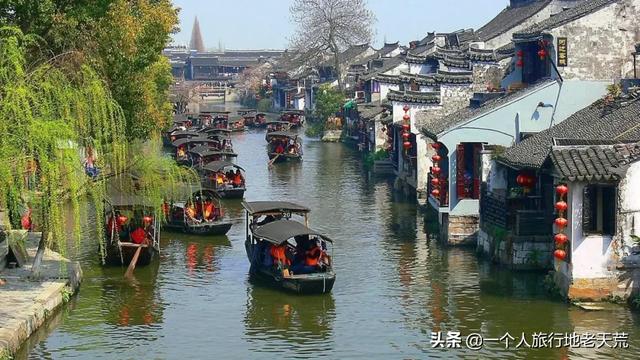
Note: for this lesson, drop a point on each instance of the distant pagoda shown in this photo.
(196, 42)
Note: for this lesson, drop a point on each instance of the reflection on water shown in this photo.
(395, 285)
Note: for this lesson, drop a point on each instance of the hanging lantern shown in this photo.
(406, 145)
(435, 145)
(122, 220)
(435, 181)
(436, 158)
(147, 219)
(560, 254)
(435, 192)
(405, 108)
(542, 53)
(561, 222)
(406, 136)
(562, 189)
(561, 206)
(435, 170)
(520, 53)
(519, 63)
(406, 117)
(406, 127)
(520, 180)
(529, 180)
(561, 239)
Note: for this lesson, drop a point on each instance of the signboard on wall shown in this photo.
(562, 52)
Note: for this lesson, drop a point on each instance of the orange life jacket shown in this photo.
(191, 212)
(278, 254)
(312, 256)
(237, 180)
(208, 210)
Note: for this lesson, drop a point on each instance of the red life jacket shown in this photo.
(312, 256)
(138, 236)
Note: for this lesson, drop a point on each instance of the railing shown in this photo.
(496, 210)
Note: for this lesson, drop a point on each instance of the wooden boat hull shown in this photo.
(113, 257)
(284, 157)
(237, 193)
(212, 228)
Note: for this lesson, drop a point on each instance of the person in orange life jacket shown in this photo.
(209, 210)
(308, 256)
(279, 148)
(237, 179)
(279, 255)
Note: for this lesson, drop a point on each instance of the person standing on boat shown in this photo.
(237, 179)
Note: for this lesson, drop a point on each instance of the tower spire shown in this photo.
(196, 42)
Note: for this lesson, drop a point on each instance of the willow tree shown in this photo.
(325, 28)
(52, 111)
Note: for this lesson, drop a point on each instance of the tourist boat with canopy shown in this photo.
(202, 155)
(182, 134)
(200, 215)
(236, 124)
(225, 179)
(131, 225)
(283, 146)
(249, 116)
(260, 120)
(220, 119)
(184, 148)
(277, 125)
(283, 250)
(294, 117)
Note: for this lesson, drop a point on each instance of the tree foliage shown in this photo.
(325, 28)
(328, 102)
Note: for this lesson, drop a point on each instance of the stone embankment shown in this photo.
(26, 301)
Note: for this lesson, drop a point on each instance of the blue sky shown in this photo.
(260, 24)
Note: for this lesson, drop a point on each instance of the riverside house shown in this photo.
(594, 155)
(556, 70)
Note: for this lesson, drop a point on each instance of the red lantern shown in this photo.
(405, 136)
(542, 53)
(405, 108)
(529, 180)
(520, 180)
(520, 63)
(561, 206)
(122, 220)
(560, 254)
(147, 219)
(561, 239)
(435, 145)
(562, 189)
(435, 170)
(435, 192)
(520, 53)
(406, 145)
(406, 127)
(406, 117)
(435, 181)
(561, 222)
(436, 158)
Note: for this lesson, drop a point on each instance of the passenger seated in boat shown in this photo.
(279, 255)
(190, 212)
(279, 148)
(209, 211)
(237, 179)
(308, 260)
(181, 151)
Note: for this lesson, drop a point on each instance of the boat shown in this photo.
(202, 155)
(277, 125)
(236, 124)
(200, 222)
(294, 117)
(130, 224)
(182, 134)
(271, 225)
(184, 147)
(260, 120)
(249, 116)
(215, 179)
(219, 119)
(283, 146)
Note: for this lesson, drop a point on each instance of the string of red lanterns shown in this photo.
(560, 238)
(520, 61)
(435, 170)
(406, 127)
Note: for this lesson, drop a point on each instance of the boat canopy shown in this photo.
(204, 151)
(218, 165)
(199, 139)
(236, 119)
(128, 201)
(279, 231)
(186, 133)
(286, 134)
(269, 207)
(294, 112)
(277, 122)
(246, 111)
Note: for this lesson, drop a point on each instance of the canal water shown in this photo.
(395, 286)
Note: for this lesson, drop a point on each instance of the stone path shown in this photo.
(27, 303)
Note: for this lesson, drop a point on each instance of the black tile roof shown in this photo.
(369, 111)
(618, 121)
(414, 96)
(594, 162)
(432, 129)
(387, 64)
(509, 18)
(585, 8)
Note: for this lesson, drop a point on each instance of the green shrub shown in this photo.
(265, 105)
